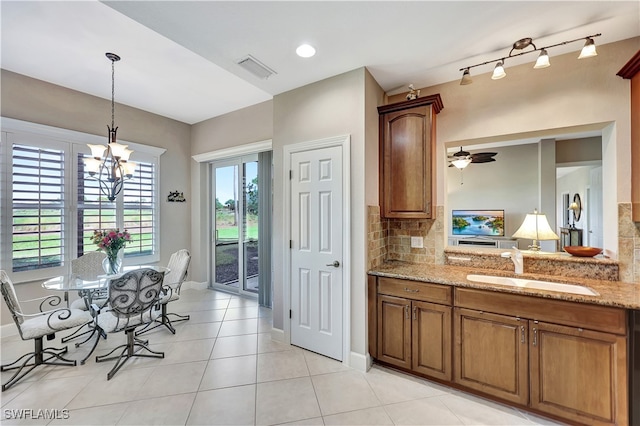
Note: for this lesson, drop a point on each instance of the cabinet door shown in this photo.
(431, 332)
(394, 331)
(491, 354)
(407, 139)
(578, 374)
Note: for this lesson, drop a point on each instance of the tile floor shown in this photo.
(222, 368)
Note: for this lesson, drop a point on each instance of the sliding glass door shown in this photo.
(235, 223)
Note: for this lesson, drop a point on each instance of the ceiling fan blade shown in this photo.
(482, 159)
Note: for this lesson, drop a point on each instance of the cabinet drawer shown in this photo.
(415, 290)
(594, 317)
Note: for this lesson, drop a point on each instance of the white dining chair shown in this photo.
(35, 327)
(178, 266)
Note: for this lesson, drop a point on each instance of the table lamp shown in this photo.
(535, 227)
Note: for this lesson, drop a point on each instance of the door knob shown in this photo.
(335, 264)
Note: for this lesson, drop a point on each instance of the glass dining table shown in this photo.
(91, 288)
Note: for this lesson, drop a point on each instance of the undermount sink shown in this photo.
(534, 284)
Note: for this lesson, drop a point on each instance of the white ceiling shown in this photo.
(179, 57)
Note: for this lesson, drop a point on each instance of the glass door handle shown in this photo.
(335, 264)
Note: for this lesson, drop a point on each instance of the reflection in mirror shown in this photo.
(512, 183)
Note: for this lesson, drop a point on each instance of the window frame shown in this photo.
(73, 143)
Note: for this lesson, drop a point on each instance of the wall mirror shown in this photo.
(545, 173)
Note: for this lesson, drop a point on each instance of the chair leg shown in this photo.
(76, 334)
(163, 319)
(38, 357)
(129, 350)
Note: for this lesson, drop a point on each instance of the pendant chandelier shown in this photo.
(112, 170)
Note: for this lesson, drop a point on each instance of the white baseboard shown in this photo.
(8, 330)
(277, 335)
(193, 285)
(359, 362)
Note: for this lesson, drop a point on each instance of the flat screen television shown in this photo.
(488, 223)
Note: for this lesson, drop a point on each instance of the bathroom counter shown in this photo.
(610, 293)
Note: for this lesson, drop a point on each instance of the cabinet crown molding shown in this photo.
(434, 100)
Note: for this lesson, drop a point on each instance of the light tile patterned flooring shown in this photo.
(222, 368)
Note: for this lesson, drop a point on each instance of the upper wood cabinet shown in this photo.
(631, 71)
(407, 157)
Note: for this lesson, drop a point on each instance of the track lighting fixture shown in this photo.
(588, 51)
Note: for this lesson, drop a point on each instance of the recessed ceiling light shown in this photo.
(305, 51)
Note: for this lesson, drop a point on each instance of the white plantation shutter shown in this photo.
(95, 211)
(50, 206)
(139, 210)
(38, 207)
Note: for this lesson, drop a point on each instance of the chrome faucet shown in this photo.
(516, 258)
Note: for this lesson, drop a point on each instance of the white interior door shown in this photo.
(316, 250)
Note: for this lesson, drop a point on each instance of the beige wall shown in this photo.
(332, 107)
(571, 93)
(344, 104)
(36, 101)
(248, 125)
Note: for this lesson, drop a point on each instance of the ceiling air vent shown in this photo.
(256, 67)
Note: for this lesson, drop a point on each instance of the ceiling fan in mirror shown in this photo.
(462, 159)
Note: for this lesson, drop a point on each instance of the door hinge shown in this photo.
(290, 174)
(290, 244)
(290, 314)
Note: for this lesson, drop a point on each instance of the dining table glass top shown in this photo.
(85, 281)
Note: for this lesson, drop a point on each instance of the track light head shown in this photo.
(589, 49)
(543, 60)
(466, 78)
(498, 71)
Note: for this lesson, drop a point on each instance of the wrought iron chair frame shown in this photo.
(168, 290)
(131, 312)
(40, 355)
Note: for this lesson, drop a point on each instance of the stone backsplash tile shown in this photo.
(390, 239)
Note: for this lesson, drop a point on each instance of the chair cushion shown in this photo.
(110, 323)
(172, 294)
(33, 328)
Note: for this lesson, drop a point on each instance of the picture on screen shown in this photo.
(478, 222)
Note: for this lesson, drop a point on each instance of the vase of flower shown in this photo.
(112, 242)
(112, 263)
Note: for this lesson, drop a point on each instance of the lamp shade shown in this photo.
(461, 163)
(589, 49)
(543, 60)
(535, 227)
(498, 71)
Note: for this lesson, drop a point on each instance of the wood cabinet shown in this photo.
(407, 157)
(414, 334)
(565, 359)
(577, 373)
(560, 369)
(491, 354)
(631, 71)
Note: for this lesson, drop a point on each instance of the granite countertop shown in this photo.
(611, 293)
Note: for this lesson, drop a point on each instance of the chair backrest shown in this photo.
(89, 264)
(10, 298)
(178, 265)
(132, 295)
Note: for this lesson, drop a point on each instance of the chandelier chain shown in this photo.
(113, 91)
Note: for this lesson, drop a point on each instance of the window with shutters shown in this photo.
(38, 207)
(51, 207)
